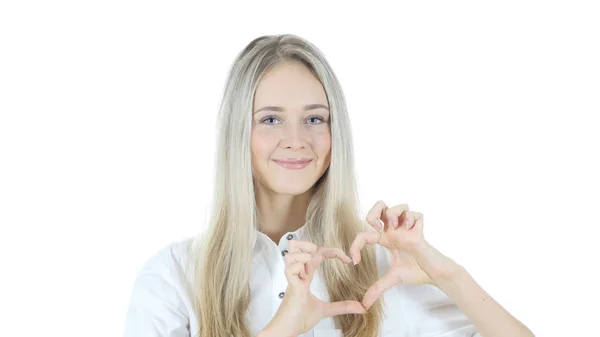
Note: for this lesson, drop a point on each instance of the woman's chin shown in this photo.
(291, 189)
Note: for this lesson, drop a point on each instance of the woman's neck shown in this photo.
(281, 213)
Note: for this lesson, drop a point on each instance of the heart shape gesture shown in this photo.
(412, 259)
(300, 310)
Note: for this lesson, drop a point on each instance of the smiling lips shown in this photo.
(293, 164)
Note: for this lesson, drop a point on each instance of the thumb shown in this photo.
(342, 308)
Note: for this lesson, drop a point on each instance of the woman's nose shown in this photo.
(294, 136)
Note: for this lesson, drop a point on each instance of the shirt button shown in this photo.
(284, 252)
(290, 236)
(281, 295)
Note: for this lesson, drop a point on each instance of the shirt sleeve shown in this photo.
(156, 307)
(430, 312)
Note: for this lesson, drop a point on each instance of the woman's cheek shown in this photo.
(323, 141)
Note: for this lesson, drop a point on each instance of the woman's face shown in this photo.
(290, 122)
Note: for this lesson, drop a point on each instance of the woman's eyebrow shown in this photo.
(306, 107)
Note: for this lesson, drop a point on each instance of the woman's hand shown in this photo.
(413, 260)
(300, 310)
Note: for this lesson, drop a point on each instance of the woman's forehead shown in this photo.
(289, 84)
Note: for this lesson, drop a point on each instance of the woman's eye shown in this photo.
(311, 120)
(268, 119)
(317, 118)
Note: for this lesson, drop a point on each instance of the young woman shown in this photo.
(285, 252)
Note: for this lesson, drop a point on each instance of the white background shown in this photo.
(481, 115)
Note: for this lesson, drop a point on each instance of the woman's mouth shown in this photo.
(293, 164)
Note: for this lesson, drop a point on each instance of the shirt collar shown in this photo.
(299, 234)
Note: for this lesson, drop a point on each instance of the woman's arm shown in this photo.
(489, 317)
(413, 261)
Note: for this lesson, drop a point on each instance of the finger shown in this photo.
(378, 288)
(374, 215)
(335, 253)
(407, 221)
(291, 258)
(342, 308)
(359, 243)
(393, 214)
(326, 253)
(302, 246)
(411, 219)
(418, 221)
(303, 274)
(293, 271)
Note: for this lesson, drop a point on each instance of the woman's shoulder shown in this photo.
(160, 298)
(174, 254)
(171, 261)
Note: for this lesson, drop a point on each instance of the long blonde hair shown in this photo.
(224, 250)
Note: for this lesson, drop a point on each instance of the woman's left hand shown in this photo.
(413, 260)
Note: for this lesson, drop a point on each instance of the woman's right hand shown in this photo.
(300, 310)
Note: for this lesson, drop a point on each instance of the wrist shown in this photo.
(451, 278)
(439, 267)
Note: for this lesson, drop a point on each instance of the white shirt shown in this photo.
(160, 307)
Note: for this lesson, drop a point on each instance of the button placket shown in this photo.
(284, 243)
(281, 282)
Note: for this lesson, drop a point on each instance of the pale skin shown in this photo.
(415, 261)
(297, 127)
(290, 120)
(300, 310)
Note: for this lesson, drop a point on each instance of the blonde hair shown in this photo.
(224, 250)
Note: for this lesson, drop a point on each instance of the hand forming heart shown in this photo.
(413, 260)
